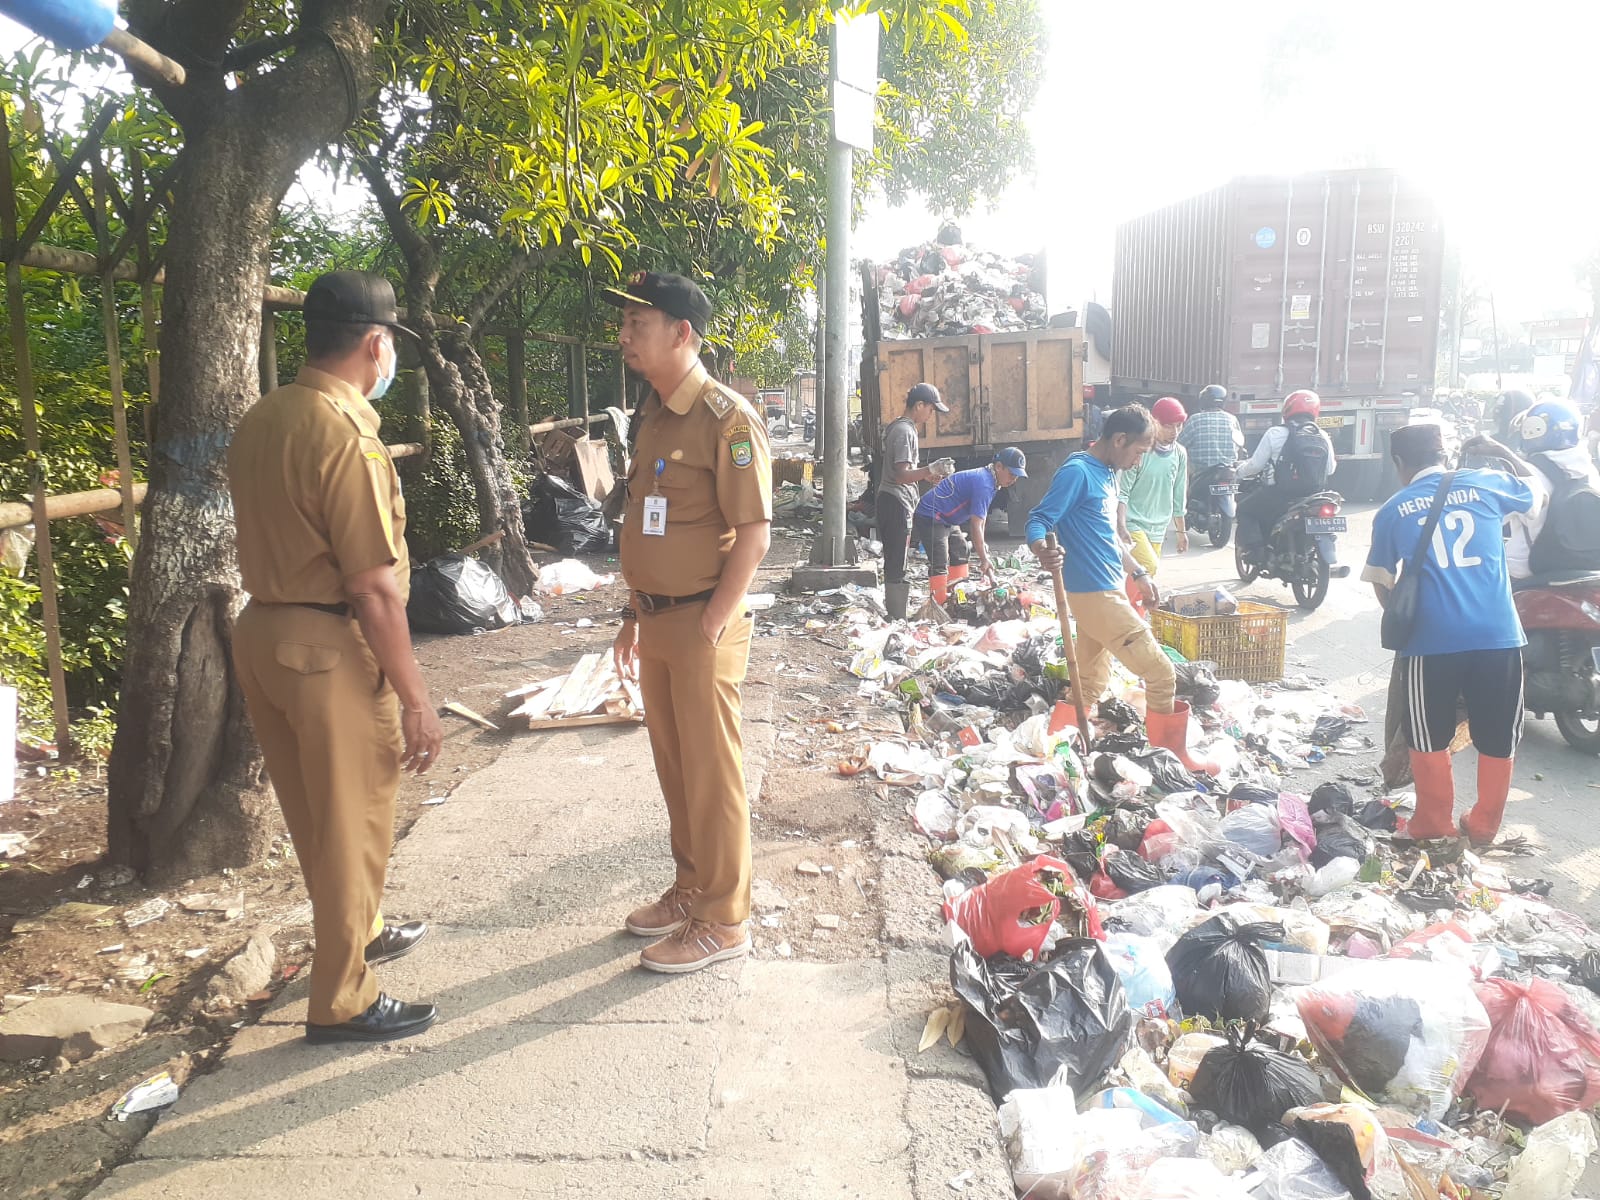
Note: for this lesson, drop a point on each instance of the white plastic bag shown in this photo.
(1039, 1128)
(1553, 1163)
(1141, 964)
(569, 576)
(1292, 1170)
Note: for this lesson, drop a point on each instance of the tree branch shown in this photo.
(499, 283)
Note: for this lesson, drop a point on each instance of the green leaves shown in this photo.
(427, 200)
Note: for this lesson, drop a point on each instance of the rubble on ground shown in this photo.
(944, 288)
(1180, 985)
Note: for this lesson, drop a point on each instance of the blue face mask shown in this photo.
(385, 378)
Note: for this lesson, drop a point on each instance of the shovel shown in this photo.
(1067, 646)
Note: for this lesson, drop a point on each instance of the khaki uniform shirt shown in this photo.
(316, 498)
(716, 473)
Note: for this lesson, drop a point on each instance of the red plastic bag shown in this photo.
(1543, 1056)
(991, 914)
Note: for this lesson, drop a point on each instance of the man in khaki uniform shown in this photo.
(697, 525)
(323, 650)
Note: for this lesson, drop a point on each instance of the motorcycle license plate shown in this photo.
(1221, 489)
(1331, 422)
(1326, 524)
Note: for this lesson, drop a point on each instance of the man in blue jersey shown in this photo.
(1468, 642)
(1081, 509)
(964, 497)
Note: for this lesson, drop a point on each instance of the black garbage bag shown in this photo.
(1119, 743)
(1332, 797)
(1034, 654)
(1197, 683)
(1026, 1021)
(1339, 836)
(559, 515)
(1329, 729)
(1132, 873)
(1220, 970)
(1375, 814)
(1167, 770)
(1125, 827)
(457, 594)
(1253, 1085)
(1119, 713)
(1587, 972)
(1335, 1144)
(999, 692)
(1252, 794)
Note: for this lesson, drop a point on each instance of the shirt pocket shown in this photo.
(307, 658)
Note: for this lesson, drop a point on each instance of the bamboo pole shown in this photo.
(79, 262)
(565, 423)
(27, 400)
(113, 332)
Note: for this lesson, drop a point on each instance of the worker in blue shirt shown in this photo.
(964, 497)
(1081, 509)
(1468, 642)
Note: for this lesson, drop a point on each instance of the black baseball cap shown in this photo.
(1014, 461)
(675, 295)
(926, 393)
(353, 298)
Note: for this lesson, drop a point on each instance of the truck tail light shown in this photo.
(1088, 393)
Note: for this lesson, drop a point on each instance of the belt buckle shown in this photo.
(647, 602)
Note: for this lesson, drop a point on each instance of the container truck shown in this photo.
(1267, 284)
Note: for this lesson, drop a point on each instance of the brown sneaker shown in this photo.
(694, 945)
(662, 917)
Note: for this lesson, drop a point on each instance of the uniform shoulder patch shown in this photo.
(717, 400)
(740, 452)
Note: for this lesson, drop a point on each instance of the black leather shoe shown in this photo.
(385, 1021)
(396, 941)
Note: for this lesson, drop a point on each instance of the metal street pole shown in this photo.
(836, 428)
(818, 384)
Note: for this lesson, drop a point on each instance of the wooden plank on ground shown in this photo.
(574, 687)
(583, 722)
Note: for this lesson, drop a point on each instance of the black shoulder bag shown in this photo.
(1400, 614)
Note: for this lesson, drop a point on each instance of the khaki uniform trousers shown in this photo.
(1107, 626)
(329, 727)
(693, 695)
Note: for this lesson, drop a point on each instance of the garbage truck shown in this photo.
(1329, 281)
(1022, 388)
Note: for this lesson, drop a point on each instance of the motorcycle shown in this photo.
(1210, 508)
(1298, 549)
(1560, 615)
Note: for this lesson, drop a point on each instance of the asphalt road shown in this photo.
(1555, 789)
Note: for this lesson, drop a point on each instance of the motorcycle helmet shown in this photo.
(1169, 410)
(1548, 425)
(1513, 402)
(1304, 403)
(1212, 396)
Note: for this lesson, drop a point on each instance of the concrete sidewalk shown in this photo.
(558, 1068)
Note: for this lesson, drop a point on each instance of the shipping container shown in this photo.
(1022, 388)
(1328, 281)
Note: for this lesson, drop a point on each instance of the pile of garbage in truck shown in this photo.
(1181, 985)
(944, 288)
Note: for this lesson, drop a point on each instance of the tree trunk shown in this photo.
(188, 795)
(458, 382)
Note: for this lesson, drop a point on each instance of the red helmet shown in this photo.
(1169, 410)
(1304, 403)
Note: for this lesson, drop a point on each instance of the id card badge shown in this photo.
(655, 507)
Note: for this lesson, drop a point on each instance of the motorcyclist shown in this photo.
(1211, 435)
(1548, 436)
(1299, 457)
(1510, 405)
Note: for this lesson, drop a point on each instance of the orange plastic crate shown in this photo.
(1247, 645)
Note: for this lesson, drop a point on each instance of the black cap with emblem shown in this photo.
(353, 298)
(675, 295)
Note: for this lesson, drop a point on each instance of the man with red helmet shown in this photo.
(1298, 458)
(1151, 494)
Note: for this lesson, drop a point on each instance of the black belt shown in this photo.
(654, 604)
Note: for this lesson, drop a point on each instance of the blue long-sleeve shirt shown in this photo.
(1081, 507)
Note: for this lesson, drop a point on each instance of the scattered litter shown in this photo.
(569, 577)
(807, 867)
(73, 912)
(156, 1092)
(590, 694)
(827, 921)
(436, 799)
(461, 710)
(206, 902)
(152, 909)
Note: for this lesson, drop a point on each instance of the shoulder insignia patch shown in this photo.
(741, 453)
(736, 431)
(718, 401)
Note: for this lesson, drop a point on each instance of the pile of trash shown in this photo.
(944, 288)
(1181, 985)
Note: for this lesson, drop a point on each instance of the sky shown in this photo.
(1490, 107)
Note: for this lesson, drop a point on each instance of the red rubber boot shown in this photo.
(1494, 783)
(1170, 731)
(1436, 795)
